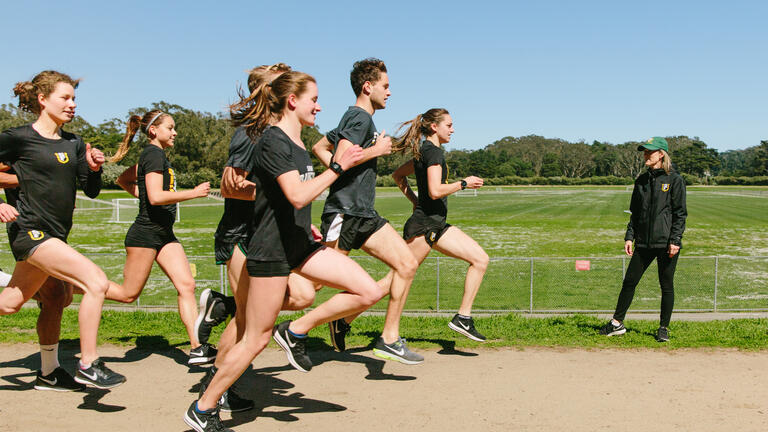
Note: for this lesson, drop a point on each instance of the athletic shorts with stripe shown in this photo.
(431, 229)
(350, 231)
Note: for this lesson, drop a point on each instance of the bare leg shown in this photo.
(138, 265)
(455, 243)
(173, 261)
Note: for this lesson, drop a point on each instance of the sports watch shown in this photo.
(463, 184)
(335, 167)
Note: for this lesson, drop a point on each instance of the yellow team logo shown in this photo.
(432, 236)
(62, 157)
(35, 234)
(665, 187)
(172, 181)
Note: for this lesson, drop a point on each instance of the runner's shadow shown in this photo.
(375, 366)
(67, 350)
(91, 401)
(155, 344)
(448, 347)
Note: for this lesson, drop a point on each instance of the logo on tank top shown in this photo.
(375, 137)
(62, 157)
(664, 187)
(35, 234)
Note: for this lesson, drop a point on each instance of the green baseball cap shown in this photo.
(655, 143)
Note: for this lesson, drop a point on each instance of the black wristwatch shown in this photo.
(335, 167)
(463, 184)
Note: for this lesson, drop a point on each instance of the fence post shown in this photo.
(437, 300)
(716, 265)
(530, 301)
(222, 287)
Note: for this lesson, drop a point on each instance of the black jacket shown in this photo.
(658, 210)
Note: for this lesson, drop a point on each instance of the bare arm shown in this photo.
(234, 185)
(382, 147)
(438, 189)
(158, 196)
(323, 149)
(127, 181)
(400, 175)
(300, 194)
(8, 181)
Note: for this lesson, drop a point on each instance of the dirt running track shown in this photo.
(533, 389)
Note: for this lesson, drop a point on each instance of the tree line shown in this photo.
(201, 147)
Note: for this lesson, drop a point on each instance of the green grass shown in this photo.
(516, 222)
(157, 330)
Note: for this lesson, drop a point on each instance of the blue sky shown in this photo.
(594, 70)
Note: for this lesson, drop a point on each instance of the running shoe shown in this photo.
(397, 350)
(466, 327)
(212, 313)
(339, 330)
(58, 380)
(610, 329)
(662, 334)
(98, 375)
(294, 348)
(202, 355)
(208, 421)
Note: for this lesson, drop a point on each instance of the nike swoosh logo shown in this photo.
(55, 380)
(288, 339)
(400, 352)
(208, 315)
(88, 376)
(466, 327)
(202, 423)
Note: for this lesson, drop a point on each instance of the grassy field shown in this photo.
(554, 224)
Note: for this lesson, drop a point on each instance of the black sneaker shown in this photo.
(208, 421)
(339, 330)
(232, 402)
(612, 330)
(202, 355)
(98, 375)
(397, 350)
(662, 334)
(466, 327)
(58, 380)
(212, 313)
(294, 348)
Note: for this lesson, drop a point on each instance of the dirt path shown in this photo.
(498, 390)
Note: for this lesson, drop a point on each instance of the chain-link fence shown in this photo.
(538, 284)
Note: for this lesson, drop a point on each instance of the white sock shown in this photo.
(49, 358)
(4, 278)
(615, 323)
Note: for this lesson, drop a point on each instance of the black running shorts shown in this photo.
(225, 249)
(350, 231)
(431, 229)
(149, 237)
(279, 268)
(24, 243)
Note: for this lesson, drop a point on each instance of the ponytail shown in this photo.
(416, 129)
(134, 124)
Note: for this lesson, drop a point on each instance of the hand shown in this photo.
(316, 234)
(202, 189)
(474, 182)
(383, 144)
(94, 157)
(350, 157)
(628, 247)
(8, 213)
(673, 250)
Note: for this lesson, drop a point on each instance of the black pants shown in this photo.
(640, 261)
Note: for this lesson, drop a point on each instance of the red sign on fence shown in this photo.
(582, 265)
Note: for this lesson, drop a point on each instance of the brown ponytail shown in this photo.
(417, 128)
(267, 102)
(43, 83)
(257, 77)
(134, 124)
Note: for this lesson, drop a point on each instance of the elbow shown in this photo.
(434, 195)
(297, 203)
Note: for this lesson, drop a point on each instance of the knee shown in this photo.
(254, 345)
(480, 261)
(57, 295)
(98, 285)
(373, 294)
(407, 267)
(303, 300)
(186, 287)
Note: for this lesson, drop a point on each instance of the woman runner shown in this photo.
(50, 163)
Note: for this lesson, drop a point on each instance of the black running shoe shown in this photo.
(339, 330)
(212, 313)
(610, 329)
(662, 334)
(397, 350)
(466, 327)
(58, 380)
(208, 421)
(232, 402)
(98, 375)
(202, 355)
(294, 348)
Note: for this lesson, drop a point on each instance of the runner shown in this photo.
(282, 240)
(50, 163)
(53, 296)
(427, 229)
(656, 228)
(349, 218)
(151, 238)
